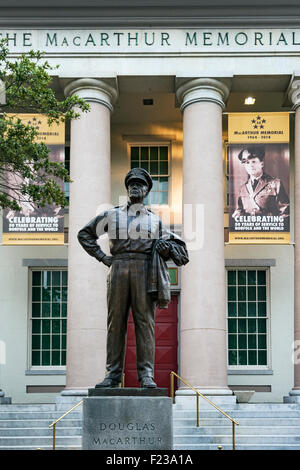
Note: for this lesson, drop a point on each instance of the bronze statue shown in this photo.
(138, 276)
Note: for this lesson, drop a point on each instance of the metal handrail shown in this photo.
(234, 422)
(71, 409)
(61, 417)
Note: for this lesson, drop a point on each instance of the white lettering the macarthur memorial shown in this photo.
(108, 41)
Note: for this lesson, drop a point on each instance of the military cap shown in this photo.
(252, 152)
(138, 174)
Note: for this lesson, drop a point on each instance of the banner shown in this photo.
(258, 183)
(33, 225)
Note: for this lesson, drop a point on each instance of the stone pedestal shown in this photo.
(127, 419)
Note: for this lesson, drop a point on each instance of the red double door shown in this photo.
(166, 345)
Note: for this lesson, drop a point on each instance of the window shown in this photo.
(247, 317)
(154, 159)
(48, 317)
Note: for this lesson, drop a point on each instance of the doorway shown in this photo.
(166, 347)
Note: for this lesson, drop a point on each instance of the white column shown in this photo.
(90, 189)
(203, 354)
(294, 394)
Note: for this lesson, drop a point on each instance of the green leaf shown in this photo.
(28, 90)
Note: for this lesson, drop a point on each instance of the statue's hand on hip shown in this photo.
(107, 260)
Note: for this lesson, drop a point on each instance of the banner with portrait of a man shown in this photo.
(259, 191)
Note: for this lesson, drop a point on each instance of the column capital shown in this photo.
(294, 93)
(202, 89)
(94, 90)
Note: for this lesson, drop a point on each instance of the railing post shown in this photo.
(54, 426)
(172, 388)
(233, 435)
(197, 410)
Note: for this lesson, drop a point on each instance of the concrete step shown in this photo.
(44, 447)
(274, 421)
(38, 423)
(238, 406)
(29, 407)
(239, 414)
(237, 447)
(268, 406)
(241, 439)
(21, 415)
(39, 441)
(239, 430)
(40, 431)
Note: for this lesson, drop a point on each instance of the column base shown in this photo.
(205, 391)
(74, 392)
(294, 396)
(3, 399)
(186, 399)
(68, 398)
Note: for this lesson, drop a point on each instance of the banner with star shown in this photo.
(37, 225)
(258, 178)
(258, 127)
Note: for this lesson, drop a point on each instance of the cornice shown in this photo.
(149, 13)
(154, 8)
(148, 22)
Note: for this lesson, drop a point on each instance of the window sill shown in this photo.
(45, 372)
(250, 372)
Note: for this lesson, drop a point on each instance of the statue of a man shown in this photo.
(138, 276)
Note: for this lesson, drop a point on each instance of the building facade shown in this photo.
(161, 81)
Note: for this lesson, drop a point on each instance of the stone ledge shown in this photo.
(127, 392)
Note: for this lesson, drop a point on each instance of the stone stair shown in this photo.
(261, 427)
(26, 427)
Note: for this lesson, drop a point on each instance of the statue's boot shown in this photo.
(148, 382)
(108, 383)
